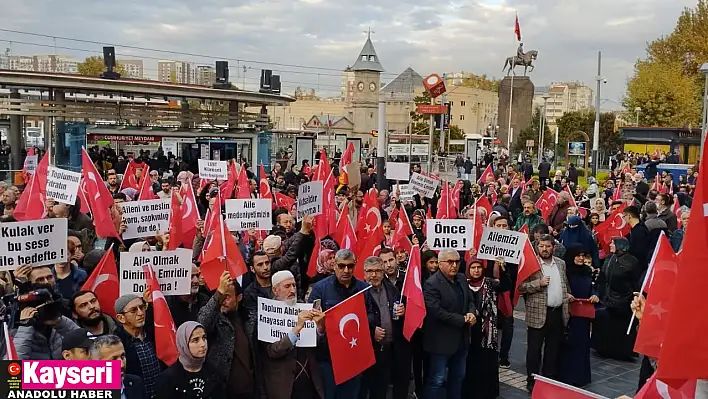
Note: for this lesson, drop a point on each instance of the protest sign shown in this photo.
(497, 243)
(62, 185)
(36, 243)
(276, 319)
(31, 163)
(449, 233)
(146, 218)
(213, 170)
(424, 185)
(172, 268)
(400, 171)
(407, 192)
(245, 214)
(309, 199)
(169, 145)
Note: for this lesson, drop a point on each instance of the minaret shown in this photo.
(362, 103)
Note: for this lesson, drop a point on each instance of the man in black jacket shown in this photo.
(186, 307)
(450, 313)
(544, 170)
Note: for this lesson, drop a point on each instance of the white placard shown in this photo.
(146, 218)
(173, 270)
(407, 192)
(497, 243)
(36, 243)
(276, 319)
(449, 233)
(424, 185)
(169, 145)
(213, 170)
(400, 171)
(31, 163)
(204, 151)
(309, 199)
(62, 185)
(245, 214)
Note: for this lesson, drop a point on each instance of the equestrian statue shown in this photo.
(524, 59)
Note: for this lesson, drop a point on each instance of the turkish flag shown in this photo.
(104, 282)
(413, 291)
(349, 169)
(25, 174)
(349, 338)
(129, 178)
(613, 226)
(338, 233)
(190, 215)
(32, 202)
(263, 185)
(456, 194)
(546, 202)
(446, 206)
(546, 388)
(312, 265)
(349, 238)
(175, 227)
(487, 174)
(657, 389)
(369, 226)
(483, 202)
(283, 201)
(227, 188)
(528, 265)
(165, 330)
(582, 211)
(99, 199)
(10, 351)
(146, 192)
(524, 229)
(83, 199)
(244, 188)
(517, 29)
(660, 289)
(402, 231)
(684, 353)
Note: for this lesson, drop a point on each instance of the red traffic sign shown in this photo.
(434, 85)
(430, 109)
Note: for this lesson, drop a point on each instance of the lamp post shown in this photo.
(704, 69)
(542, 127)
(637, 110)
(596, 128)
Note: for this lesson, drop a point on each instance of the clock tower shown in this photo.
(363, 85)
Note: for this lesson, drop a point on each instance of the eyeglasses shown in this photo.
(134, 310)
(373, 271)
(451, 262)
(343, 266)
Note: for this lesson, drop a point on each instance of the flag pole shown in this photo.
(360, 292)
(646, 280)
(511, 91)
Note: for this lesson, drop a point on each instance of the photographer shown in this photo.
(42, 327)
(30, 278)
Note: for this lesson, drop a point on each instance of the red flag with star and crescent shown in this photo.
(488, 173)
(165, 330)
(613, 226)
(528, 265)
(517, 29)
(413, 291)
(546, 202)
(660, 289)
(349, 338)
(104, 283)
(190, 215)
(369, 229)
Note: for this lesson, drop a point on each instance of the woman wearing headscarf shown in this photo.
(482, 374)
(576, 233)
(190, 377)
(575, 356)
(418, 225)
(325, 265)
(618, 280)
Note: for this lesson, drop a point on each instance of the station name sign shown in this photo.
(112, 137)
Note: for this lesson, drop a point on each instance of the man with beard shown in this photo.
(33, 278)
(112, 182)
(261, 287)
(186, 307)
(87, 313)
(291, 372)
(229, 349)
(546, 298)
(166, 190)
(393, 273)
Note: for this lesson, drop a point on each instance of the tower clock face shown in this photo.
(360, 86)
(372, 86)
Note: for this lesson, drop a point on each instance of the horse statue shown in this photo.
(526, 61)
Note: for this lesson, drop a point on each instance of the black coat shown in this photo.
(174, 383)
(445, 329)
(133, 387)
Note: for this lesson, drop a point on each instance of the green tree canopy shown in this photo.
(481, 82)
(531, 133)
(584, 121)
(93, 66)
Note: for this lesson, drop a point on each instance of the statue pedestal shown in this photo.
(521, 107)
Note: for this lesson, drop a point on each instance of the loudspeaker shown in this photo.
(266, 75)
(222, 71)
(109, 58)
(275, 84)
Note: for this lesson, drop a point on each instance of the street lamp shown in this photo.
(596, 129)
(704, 69)
(637, 110)
(542, 127)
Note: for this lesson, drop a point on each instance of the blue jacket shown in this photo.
(78, 277)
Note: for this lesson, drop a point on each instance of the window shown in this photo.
(372, 58)
(451, 104)
(462, 103)
(363, 58)
(462, 117)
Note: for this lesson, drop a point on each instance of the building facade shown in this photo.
(134, 69)
(362, 99)
(39, 63)
(176, 72)
(206, 75)
(564, 97)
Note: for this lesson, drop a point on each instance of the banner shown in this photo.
(146, 218)
(424, 185)
(245, 214)
(173, 270)
(62, 185)
(36, 243)
(497, 243)
(276, 319)
(309, 199)
(213, 170)
(449, 233)
(400, 171)
(407, 192)
(31, 162)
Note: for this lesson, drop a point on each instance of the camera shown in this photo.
(604, 80)
(47, 303)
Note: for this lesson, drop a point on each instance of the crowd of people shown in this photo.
(469, 324)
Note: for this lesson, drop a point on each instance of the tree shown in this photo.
(481, 82)
(584, 121)
(94, 66)
(531, 133)
(419, 122)
(667, 84)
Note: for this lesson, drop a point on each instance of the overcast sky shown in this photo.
(461, 35)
